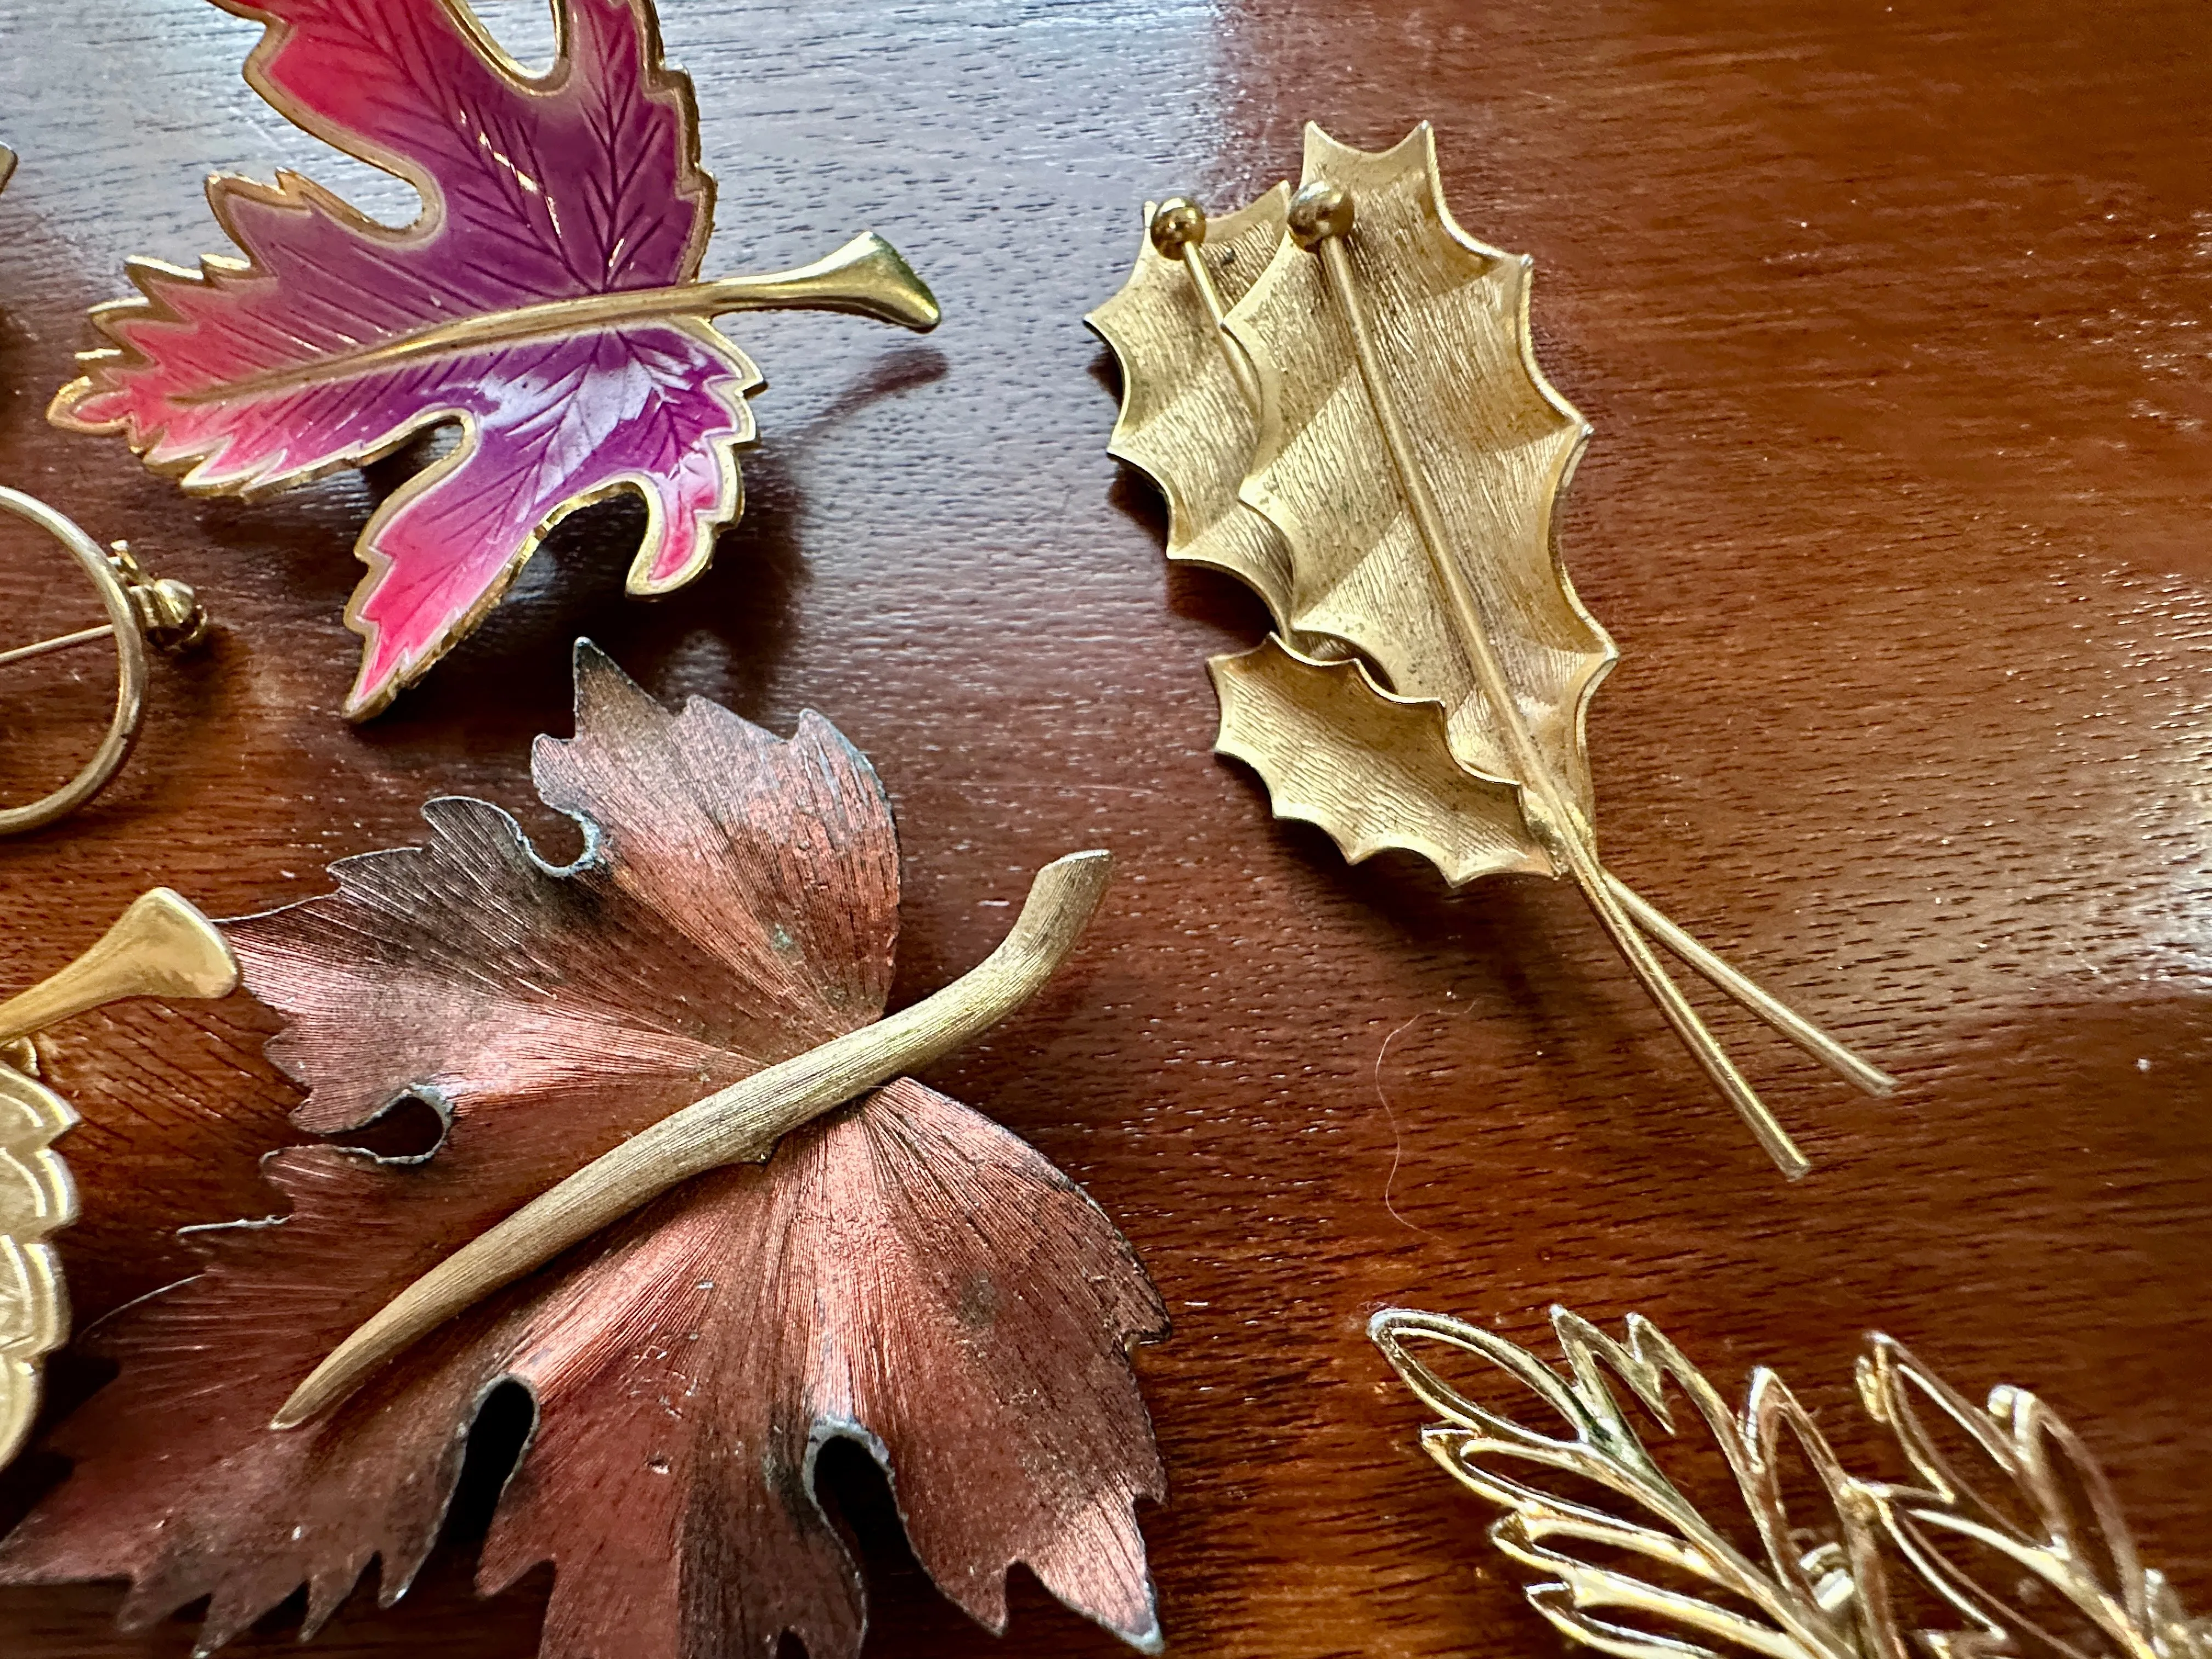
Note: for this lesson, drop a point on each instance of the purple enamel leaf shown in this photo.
(341, 338)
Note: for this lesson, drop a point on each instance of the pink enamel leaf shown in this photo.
(902, 1272)
(245, 377)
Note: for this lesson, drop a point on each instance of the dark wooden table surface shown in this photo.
(1894, 323)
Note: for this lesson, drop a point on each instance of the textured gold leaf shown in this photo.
(36, 1199)
(1497, 442)
(1409, 455)
(1184, 420)
(1372, 770)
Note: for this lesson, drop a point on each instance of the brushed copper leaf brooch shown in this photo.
(1336, 391)
(548, 300)
(653, 1209)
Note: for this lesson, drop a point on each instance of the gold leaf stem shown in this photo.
(1555, 822)
(1177, 231)
(866, 278)
(161, 946)
(1753, 997)
(739, 1124)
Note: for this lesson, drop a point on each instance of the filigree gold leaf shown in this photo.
(1848, 1562)
(1559, 1603)
(1372, 770)
(2066, 1581)
(1605, 1447)
(1521, 1534)
(1184, 420)
(2043, 1507)
(2173, 1634)
(37, 1198)
(1582, 1587)
(1497, 442)
(1538, 1516)
(1773, 1609)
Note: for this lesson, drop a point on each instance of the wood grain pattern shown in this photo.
(1891, 324)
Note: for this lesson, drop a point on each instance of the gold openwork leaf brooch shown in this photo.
(2002, 1536)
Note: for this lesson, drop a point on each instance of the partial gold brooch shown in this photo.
(2003, 1538)
(160, 947)
(141, 610)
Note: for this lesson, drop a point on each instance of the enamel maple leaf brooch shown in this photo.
(547, 299)
(685, 1197)
(1335, 391)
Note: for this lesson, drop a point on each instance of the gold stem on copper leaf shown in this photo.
(738, 1124)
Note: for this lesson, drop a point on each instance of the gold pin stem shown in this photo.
(1240, 366)
(1561, 829)
(739, 1124)
(866, 278)
(161, 946)
(59, 642)
(1177, 230)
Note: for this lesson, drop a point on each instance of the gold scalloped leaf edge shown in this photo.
(1497, 442)
(36, 1199)
(1183, 421)
(1370, 769)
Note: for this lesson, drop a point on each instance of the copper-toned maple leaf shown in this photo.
(902, 1272)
